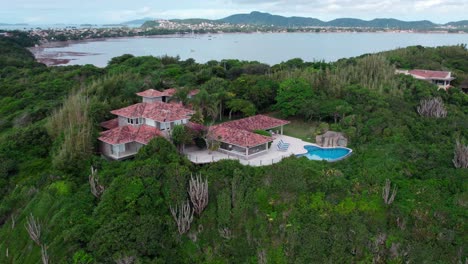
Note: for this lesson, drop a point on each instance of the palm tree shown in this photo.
(181, 95)
(205, 103)
(218, 88)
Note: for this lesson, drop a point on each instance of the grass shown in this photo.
(301, 129)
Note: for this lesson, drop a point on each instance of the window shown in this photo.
(116, 149)
(135, 121)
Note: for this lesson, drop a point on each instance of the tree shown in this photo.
(180, 136)
(292, 95)
(181, 95)
(217, 87)
(240, 105)
(206, 104)
(336, 109)
(260, 90)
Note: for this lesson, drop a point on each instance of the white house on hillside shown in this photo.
(440, 78)
(137, 124)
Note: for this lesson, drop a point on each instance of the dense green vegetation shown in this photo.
(296, 211)
(266, 19)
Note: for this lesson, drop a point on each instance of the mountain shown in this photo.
(266, 19)
(137, 21)
(259, 18)
(380, 23)
(462, 23)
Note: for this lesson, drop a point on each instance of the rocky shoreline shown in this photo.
(56, 58)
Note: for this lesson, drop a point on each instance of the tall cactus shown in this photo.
(198, 192)
(460, 155)
(183, 216)
(387, 197)
(433, 107)
(96, 188)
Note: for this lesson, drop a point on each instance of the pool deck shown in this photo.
(271, 156)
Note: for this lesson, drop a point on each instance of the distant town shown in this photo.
(167, 27)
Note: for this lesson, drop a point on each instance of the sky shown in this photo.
(116, 11)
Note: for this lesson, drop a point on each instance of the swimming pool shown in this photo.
(328, 154)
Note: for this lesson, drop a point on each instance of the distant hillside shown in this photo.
(193, 20)
(258, 18)
(149, 24)
(462, 23)
(266, 19)
(380, 23)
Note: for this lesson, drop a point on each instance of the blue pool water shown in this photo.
(328, 154)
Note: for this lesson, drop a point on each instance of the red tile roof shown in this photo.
(238, 137)
(146, 133)
(257, 122)
(240, 132)
(150, 93)
(132, 111)
(427, 74)
(158, 111)
(194, 92)
(110, 124)
(126, 134)
(169, 92)
(155, 93)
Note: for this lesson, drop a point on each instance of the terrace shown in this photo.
(267, 157)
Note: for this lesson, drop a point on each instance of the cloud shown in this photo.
(121, 15)
(114, 11)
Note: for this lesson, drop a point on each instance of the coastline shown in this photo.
(62, 58)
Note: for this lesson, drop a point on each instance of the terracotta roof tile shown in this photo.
(238, 137)
(132, 111)
(126, 134)
(257, 122)
(155, 93)
(430, 74)
(159, 111)
(194, 92)
(146, 133)
(110, 124)
(150, 93)
(169, 92)
(240, 132)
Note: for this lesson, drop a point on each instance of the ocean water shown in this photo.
(270, 48)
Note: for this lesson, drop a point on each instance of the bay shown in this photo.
(270, 48)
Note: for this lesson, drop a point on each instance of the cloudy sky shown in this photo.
(115, 11)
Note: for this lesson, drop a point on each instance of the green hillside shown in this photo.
(258, 18)
(296, 211)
